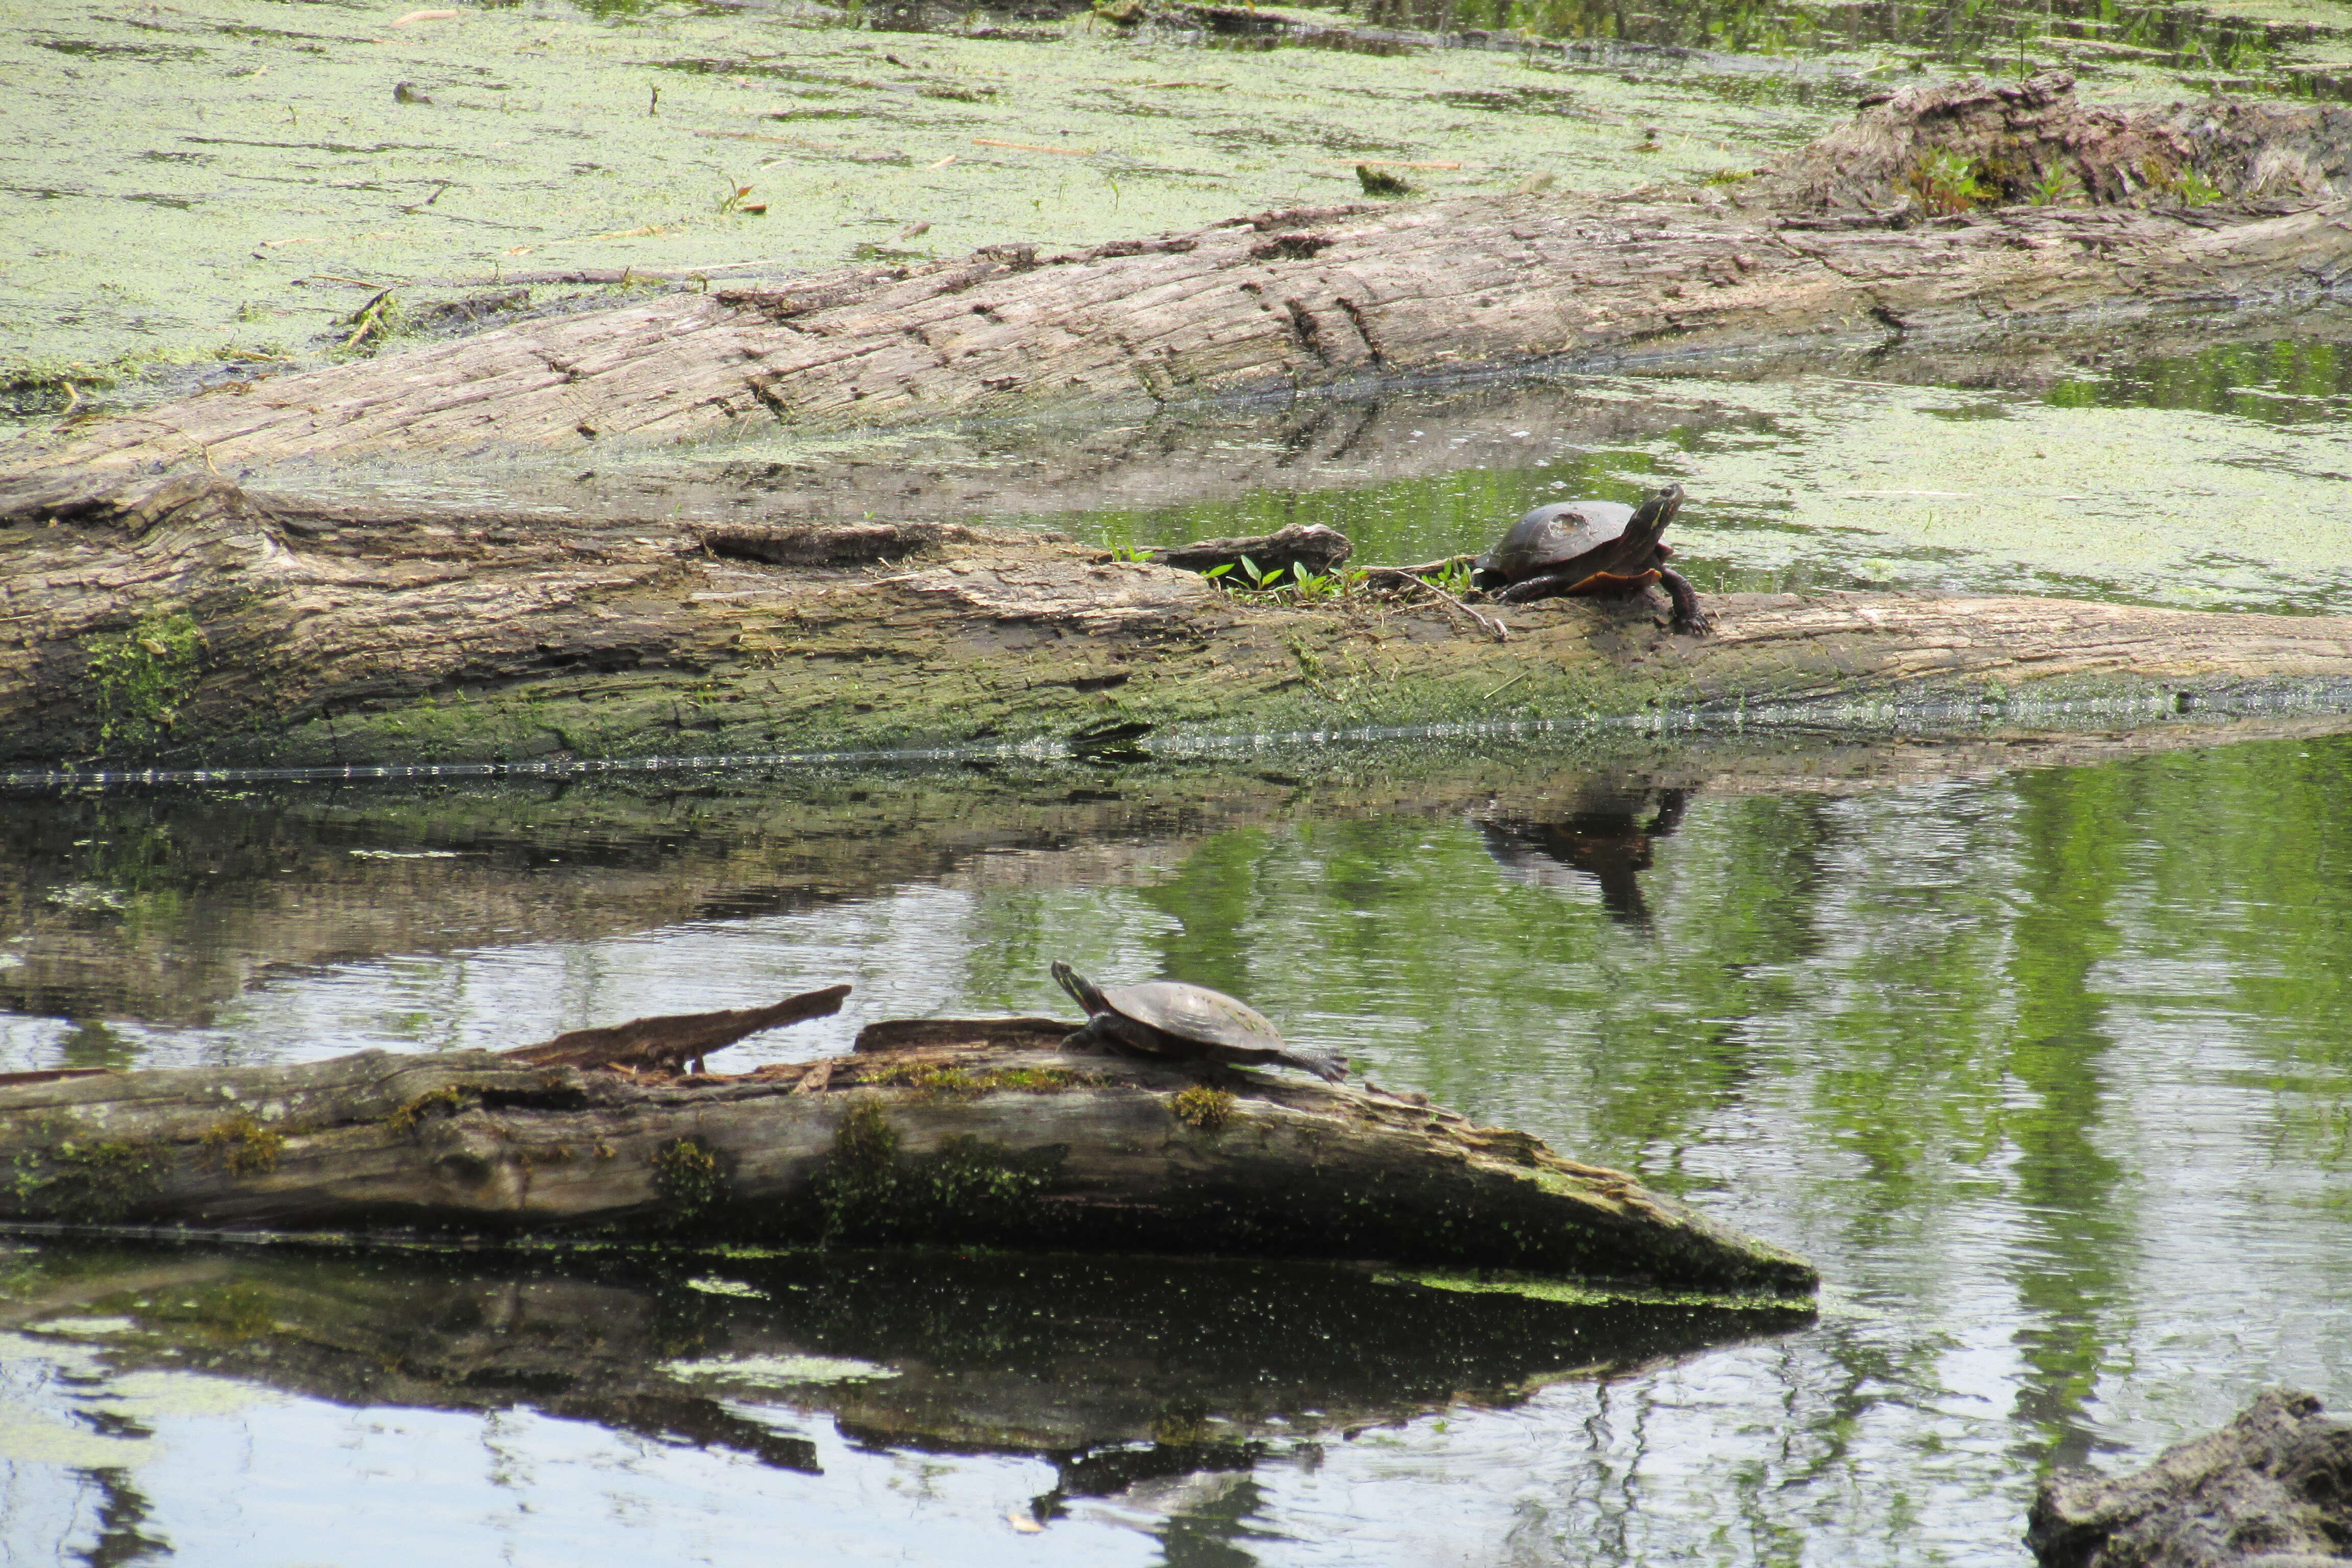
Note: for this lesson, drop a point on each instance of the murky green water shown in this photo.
(2047, 1067)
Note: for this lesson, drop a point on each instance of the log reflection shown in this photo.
(1116, 1372)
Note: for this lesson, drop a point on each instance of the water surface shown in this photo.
(2046, 1066)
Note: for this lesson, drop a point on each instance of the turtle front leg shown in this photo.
(1688, 616)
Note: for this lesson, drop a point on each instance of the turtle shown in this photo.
(1174, 1018)
(1590, 547)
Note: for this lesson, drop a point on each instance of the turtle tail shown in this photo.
(1083, 991)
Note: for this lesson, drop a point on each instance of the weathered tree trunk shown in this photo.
(197, 623)
(2271, 1490)
(975, 1143)
(1327, 297)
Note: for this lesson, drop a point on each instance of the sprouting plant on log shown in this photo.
(1948, 182)
(144, 675)
(2194, 189)
(2056, 186)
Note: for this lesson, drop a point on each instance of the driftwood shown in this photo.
(189, 620)
(991, 1144)
(1310, 545)
(2271, 1490)
(1323, 297)
(669, 1044)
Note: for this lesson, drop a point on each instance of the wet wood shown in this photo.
(1331, 297)
(669, 1044)
(312, 637)
(974, 1144)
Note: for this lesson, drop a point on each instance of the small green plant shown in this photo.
(2194, 189)
(1454, 578)
(1726, 176)
(144, 675)
(1947, 183)
(2056, 185)
(1131, 551)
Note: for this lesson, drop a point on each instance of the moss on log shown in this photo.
(988, 1143)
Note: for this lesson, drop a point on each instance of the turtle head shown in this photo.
(1083, 991)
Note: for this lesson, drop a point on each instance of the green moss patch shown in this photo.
(87, 1182)
(968, 1190)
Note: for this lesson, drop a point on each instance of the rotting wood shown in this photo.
(1310, 545)
(989, 1144)
(1324, 297)
(271, 632)
(672, 1042)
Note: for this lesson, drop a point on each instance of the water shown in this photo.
(2046, 1065)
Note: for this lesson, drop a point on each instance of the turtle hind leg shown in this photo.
(1542, 585)
(1688, 616)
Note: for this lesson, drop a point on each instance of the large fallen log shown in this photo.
(1365, 292)
(192, 621)
(1007, 1144)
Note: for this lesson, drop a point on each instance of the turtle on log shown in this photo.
(1171, 1018)
(1580, 547)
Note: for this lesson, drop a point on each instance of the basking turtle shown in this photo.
(1590, 547)
(1171, 1018)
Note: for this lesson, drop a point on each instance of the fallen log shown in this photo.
(189, 621)
(1367, 293)
(2271, 1490)
(996, 1144)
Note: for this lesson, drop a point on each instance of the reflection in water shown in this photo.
(1150, 1383)
(2048, 1068)
(1608, 842)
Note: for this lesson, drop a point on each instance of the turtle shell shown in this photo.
(1195, 1013)
(1555, 535)
(1600, 536)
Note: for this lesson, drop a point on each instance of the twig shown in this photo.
(1494, 628)
(1506, 685)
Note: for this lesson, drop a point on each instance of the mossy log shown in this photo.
(1368, 292)
(1008, 1144)
(191, 623)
